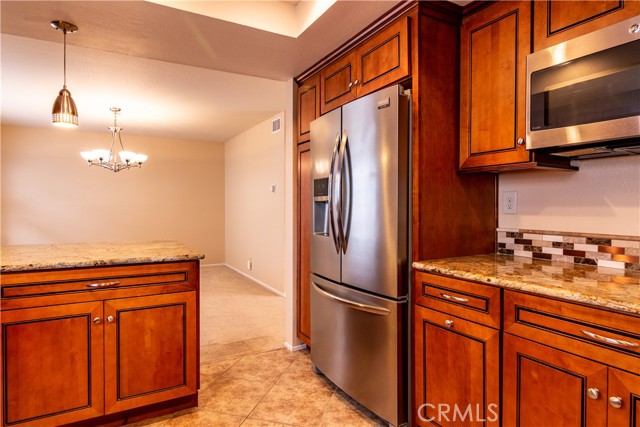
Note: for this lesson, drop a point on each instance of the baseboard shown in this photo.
(264, 285)
(295, 347)
(212, 265)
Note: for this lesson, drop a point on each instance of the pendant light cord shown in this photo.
(64, 32)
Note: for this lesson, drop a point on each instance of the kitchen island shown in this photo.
(96, 334)
(517, 338)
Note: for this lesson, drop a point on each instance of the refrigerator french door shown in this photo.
(359, 249)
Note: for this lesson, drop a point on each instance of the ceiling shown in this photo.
(173, 72)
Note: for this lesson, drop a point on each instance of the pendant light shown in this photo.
(64, 112)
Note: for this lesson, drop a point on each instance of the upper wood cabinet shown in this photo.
(308, 106)
(556, 21)
(494, 43)
(379, 61)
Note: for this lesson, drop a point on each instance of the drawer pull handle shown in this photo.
(593, 393)
(609, 340)
(103, 285)
(616, 402)
(452, 298)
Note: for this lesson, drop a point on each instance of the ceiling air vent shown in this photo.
(275, 125)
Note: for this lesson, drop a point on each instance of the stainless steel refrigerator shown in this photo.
(359, 249)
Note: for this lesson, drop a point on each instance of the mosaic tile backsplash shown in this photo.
(622, 252)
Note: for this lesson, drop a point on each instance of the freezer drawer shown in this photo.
(358, 344)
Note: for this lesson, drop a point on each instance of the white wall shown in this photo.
(255, 216)
(50, 195)
(603, 197)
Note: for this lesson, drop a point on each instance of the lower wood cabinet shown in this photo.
(549, 363)
(52, 364)
(90, 362)
(546, 386)
(456, 352)
(150, 350)
(457, 371)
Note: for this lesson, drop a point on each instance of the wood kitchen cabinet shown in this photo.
(149, 345)
(308, 106)
(543, 383)
(304, 244)
(53, 364)
(494, 44)
(97, 344)
(456, 360)
(556, 21)
(381, 60)
(575, 365)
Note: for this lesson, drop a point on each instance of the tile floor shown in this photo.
(271, 389)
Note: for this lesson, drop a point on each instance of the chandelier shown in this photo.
(107, 158)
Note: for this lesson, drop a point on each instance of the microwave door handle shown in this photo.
(330, 191)
(353, 304)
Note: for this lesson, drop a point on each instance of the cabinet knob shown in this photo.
(356, 82)
(520, 141)
(448, 323)
(97, 320)
(616, 402)
(350, 85)
(634, 29)
(593, 393)
(110, 319)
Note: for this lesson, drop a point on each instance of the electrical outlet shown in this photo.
(249, 264)
(510, 202)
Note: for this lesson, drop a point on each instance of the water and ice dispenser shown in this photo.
(321, 206)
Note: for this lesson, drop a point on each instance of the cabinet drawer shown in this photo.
(52, 282)
(588, 331)
(471, 301)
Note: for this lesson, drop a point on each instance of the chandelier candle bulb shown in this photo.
(107, 158)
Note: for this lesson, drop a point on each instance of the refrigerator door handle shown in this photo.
(339, 210)
(358, 306)
(331, 184)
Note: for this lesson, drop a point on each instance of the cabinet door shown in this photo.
(556, 21)
(456, 372)
(383, 59)
(308, 106)
(337, 81)
(626, 387)
(494, 43)
(52, 364)
(150, 349)
(304, 243)
(541, 384)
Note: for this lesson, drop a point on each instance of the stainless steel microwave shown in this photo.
(583, 95)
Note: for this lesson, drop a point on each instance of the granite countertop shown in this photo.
(604, 287)
(46, 257)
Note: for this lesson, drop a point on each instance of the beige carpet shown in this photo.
(237, 316)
